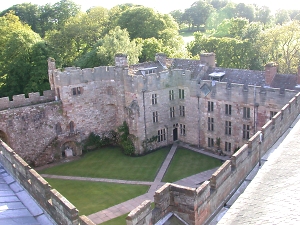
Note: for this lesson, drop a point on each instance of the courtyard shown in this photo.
(101, 182)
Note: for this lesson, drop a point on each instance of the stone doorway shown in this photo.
(175, 134)
(70, 149)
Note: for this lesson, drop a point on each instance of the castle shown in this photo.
(193, 101)
(163, 101)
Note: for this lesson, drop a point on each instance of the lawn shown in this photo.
(110, 162)
(121, 220)
(186, 163)
(90, 197)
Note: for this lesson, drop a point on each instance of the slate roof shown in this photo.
(16, 205)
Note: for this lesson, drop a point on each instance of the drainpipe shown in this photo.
(199, 121)
(144, 115)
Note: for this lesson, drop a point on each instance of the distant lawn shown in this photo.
(121, 220)
(187, 163)
(90, 197)
(110, 162)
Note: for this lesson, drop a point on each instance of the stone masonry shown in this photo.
(162, 101)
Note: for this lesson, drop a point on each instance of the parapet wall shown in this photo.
(197, 206)
(73, 76)
(57, 206)
(21, 100)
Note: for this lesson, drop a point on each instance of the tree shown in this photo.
(150, 47)
(28, 13)
(218, 4)
(22, 64)
(245, 11)
(116, 41)
(198, 13)
(263, 14)
(177, 15)
(143, 22)
(281, 44)
(230, 52)
(217, 17)
(282, 16)
(78, 36)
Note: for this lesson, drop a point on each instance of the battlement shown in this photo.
(197, 206)
(56, 205)
(73, 76)
(21, 100)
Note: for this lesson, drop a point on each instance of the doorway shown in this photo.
(175, 134)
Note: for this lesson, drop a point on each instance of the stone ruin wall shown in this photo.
(30, 129)
(52, 202)
(198, 205)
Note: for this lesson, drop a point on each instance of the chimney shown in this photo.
(270, 72)
(162, 58)
(121, 60)
(209, 59)
(51, 68)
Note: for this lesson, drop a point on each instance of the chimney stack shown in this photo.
(209, 59)
(270, 72)
(121, 60)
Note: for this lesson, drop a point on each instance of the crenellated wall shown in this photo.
(57, 206)
(197, 205)
(21, 100)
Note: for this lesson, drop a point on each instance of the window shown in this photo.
(246, 113)
(161, 135)
(246, 131)
(227, 146)
(58, 129)
(210, 123)
(182, 129)
(155, 117)
(272, 113)
(182, 110)
(71, 126)
(210, 142)
(181, 93)
(171, 95)
(228, 127)
(210, 106)
(154, 99)
(77, 90)
(172, 112)
(227, 109)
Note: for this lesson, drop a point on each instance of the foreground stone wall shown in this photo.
(57, 206)
(197, 205)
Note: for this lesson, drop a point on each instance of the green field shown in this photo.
(90, 197)
(110, 162)
(186, 163)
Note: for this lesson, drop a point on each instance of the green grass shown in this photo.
(121, 220)
(90, 197)
(186, 163)
(110, 162)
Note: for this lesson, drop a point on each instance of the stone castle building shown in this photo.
(235, 112)
(192, 101)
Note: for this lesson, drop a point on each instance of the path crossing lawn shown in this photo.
(90, 197)
(110, 162)
(186, 163)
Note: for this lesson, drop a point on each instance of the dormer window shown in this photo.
(150, 70)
